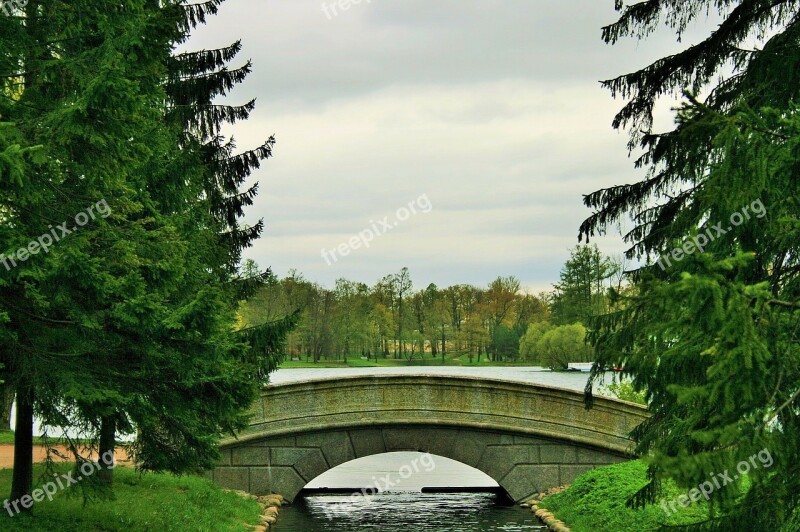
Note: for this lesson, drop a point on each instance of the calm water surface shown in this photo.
(407, 512)
(573, 380)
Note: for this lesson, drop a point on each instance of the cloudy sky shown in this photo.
(488, 111)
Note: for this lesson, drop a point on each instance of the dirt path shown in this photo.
(39, 455)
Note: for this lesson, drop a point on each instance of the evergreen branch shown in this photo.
(786, 403)
(784, 304)
(203, 60)
(42, 318)
(693, 66)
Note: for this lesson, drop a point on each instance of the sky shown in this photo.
(456, 137)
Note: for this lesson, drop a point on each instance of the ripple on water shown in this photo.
(440, 512)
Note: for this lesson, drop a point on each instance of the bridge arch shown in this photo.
(527, 437)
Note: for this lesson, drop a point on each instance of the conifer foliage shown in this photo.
(127, 324)
(712, 336)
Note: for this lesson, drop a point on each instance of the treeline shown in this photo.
(394, 319)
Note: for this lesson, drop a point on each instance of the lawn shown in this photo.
(595, 502)
(157, 502)
(7, 438)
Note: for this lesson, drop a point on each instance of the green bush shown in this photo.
(623, 390)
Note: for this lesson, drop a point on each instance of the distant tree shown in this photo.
(500, 303)
(428, 319)
(564, 344)
(529, 343)
(420, 318)
(402, 286)
(454, 297)
(581, 293)
(529, 309)
(441, 322)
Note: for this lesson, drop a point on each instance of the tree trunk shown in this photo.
(6, 403)
(105, 451)
(22, 476)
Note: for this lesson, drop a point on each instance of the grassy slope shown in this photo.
(595, 502)
(156, 502)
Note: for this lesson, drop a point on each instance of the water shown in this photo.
(440, 512)
(573, 380)
(402, 506)
(398, 479)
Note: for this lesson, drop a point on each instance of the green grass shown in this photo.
(7, 438)
(595, 502)
(152, 502)
(357, 362)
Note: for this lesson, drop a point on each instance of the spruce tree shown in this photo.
(128, 324)
(711, 332)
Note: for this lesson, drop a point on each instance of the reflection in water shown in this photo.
(406, 511)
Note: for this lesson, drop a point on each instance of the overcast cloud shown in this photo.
(492, 108)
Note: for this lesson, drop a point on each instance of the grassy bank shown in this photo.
(595, 502)
(357, 362)
(150, 502)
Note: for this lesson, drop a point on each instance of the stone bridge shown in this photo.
(527, 437)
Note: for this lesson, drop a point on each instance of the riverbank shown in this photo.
(271, 507)
(141, 502)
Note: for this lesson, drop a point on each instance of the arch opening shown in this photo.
(403, 472)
